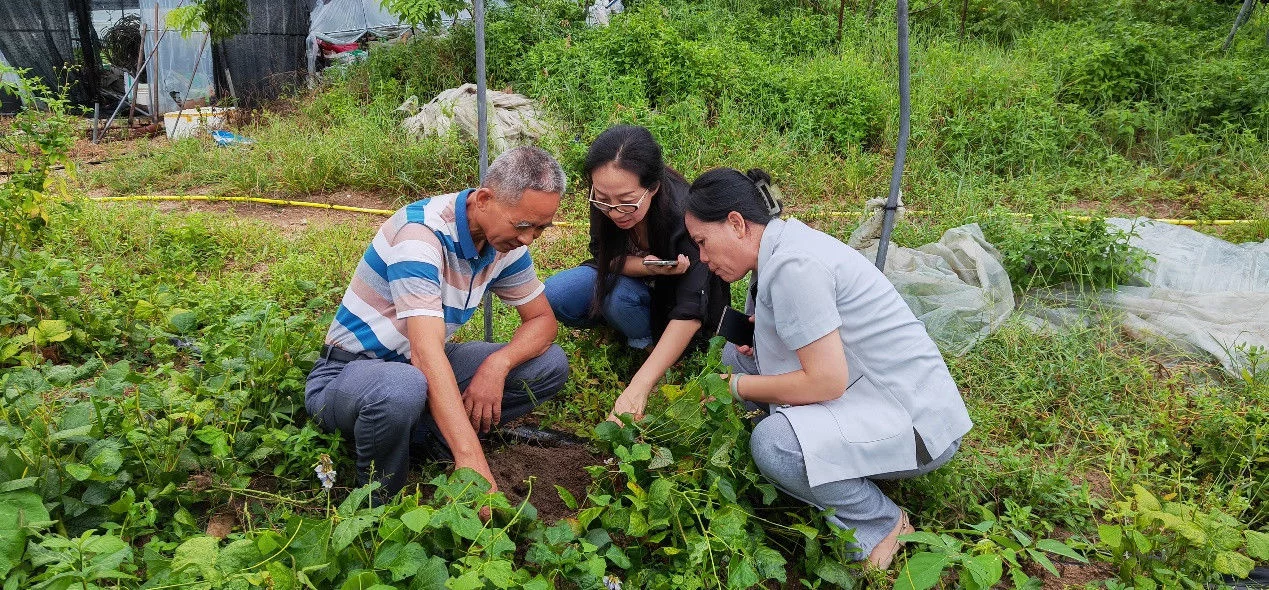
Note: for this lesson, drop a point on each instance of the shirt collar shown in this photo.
(466, 248)
(770, 239)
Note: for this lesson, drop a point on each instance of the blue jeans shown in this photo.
(628, 306)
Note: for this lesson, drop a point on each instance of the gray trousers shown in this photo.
(857, 503)
(382, 405)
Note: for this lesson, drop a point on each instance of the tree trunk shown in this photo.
(964, 13)
(841, 15)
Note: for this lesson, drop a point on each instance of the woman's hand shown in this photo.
(677, 269)
(631, 401)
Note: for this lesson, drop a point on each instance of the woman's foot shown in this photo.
(883, 554)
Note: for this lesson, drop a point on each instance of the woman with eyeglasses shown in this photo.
(645, 278)
(856, 388)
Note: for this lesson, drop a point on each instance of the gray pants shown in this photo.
(857, 503)
(382, 405)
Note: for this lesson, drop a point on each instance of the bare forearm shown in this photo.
(796, 388)
(445, 403)
(633, 266)
(678, 334)
(530, 340)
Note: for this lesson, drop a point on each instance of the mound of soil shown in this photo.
(548, 466)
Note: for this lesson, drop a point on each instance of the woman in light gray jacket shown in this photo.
(857, 390)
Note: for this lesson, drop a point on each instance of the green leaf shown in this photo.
(808, 532)
(729, 524)
(833, 572)
(499, 572)
(198, 552)
(985, 570)
(433, 573)
(617, 557)
(469, 580)
(349, 529)
(661, 457)
(922, 571)
(1111, 536)
(361, 581)
(418, 519)
(1060, 548)
(402, 561)
(741, 573)
(79, 471)
(1042, 559)
(238, 556)
(1257, 545)
(1145, 500)
(771, 565)
(182, 321)
(17, 510)
(1230, 563)
(566, 496)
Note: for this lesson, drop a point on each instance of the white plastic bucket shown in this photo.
(191, 122)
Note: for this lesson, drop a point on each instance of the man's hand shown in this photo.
(481, 466)
(631, 401)
(483, 398)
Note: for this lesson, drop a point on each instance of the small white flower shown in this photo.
(325, 470)
(612, 582)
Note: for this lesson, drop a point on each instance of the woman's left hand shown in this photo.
(677, 269)
(632, 401)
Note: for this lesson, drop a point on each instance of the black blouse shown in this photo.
(697, 294)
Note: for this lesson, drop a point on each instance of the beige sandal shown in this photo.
(883, 554)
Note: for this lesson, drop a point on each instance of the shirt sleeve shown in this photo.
(517, 283)
(691, 293)
(803, 299)
(414, 264)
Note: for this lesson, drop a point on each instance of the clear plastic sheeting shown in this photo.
(182, 67)
(345, 21)
(1204, 294)
(957, 286)
(514, 120)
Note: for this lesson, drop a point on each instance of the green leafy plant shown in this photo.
(422, 12)
(221, 19)
(38, 139)
(979, 555)
(1175, 544)
(1055, 248)
(684, 487)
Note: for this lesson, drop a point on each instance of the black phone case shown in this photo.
(735, 327)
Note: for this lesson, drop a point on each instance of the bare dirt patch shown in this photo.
(289, 218)
(548, 466)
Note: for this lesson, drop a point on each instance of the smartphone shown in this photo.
(660, 263)
(735, 327)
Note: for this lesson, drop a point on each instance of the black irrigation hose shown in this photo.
(901, 150)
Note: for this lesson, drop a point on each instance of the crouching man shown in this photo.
(389, 379)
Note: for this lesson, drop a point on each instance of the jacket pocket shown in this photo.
(868, 413)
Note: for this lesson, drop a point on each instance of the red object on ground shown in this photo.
(336, 47)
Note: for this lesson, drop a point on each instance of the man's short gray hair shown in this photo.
(521, 169)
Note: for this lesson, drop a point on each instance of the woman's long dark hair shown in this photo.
(633, 149)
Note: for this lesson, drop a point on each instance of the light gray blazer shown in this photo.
(900, 394)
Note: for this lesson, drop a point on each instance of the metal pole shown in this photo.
(901, 150)
(482, 129)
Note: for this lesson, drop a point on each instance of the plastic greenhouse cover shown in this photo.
(182, 66)
(1202, 293)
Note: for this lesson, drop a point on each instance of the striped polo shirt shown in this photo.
(422, 262)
